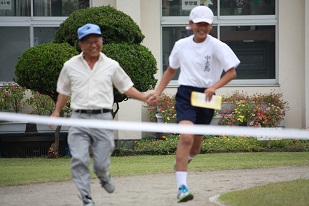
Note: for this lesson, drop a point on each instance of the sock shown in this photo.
(181, 178)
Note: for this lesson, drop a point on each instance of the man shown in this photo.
(201, 59)
(89, 78)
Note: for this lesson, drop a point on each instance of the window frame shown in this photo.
(32, 22)
(243, 20)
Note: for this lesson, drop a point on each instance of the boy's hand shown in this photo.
(209, 93)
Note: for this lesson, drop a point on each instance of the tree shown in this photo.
(38, 68)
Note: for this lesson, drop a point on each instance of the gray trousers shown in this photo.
(102, 143)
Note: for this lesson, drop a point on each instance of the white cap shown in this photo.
(201, 14)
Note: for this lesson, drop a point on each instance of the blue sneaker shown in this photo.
(184, 194)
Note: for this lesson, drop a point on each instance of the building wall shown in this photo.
(306, 83)
(292, 58)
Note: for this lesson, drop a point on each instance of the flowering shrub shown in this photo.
(229, 119)
(239, 116)
(266, 116)
(273, 97)
(167, 108)
(251, 114)
(235, 97)
(11, 96)
(258, 110)
(41, 104)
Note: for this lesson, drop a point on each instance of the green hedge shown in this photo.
(38, 67)
(167, 145)
(138, 63)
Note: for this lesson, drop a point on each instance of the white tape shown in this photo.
(156, 127)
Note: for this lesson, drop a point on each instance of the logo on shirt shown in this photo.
(207, 66)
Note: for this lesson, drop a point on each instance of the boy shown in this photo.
(202, 59)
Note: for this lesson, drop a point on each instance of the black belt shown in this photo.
(93, 111)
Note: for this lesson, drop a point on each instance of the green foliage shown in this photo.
(138, 63)
(38, 67)
(167, 144)
(116, 26)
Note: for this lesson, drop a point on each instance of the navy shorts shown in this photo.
(184, 109)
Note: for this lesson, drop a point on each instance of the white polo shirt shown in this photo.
(92, 89)
(201, 64)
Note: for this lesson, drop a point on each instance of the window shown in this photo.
(15, 42)
(44, 35)
(15, 8)
(22, 28)
(41, 7)
(247, 26)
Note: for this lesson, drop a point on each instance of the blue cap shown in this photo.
(88, 29)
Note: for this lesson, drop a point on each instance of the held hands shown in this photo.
(153, 100)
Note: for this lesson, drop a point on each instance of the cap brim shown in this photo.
(209, 21)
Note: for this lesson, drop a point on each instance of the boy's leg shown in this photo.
(196, 147)
(182, 153)
(183, 150)
(188, 147)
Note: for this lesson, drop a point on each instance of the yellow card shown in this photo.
(198, 99)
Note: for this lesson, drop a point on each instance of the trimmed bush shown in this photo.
(38, 67)
(138, 63)
(116, 26)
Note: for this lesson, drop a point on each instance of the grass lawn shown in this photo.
(17, 171)
(276, 194)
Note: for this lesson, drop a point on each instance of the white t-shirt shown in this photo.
(201, 64)
(92, 89)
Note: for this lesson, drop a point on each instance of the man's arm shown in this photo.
(135, 94)
(61, 101)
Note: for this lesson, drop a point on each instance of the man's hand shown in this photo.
(55, 114)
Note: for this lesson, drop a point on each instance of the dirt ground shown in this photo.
(150, 190)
